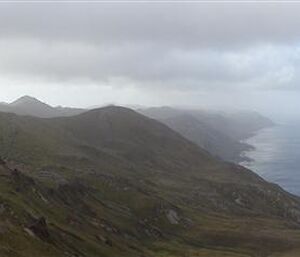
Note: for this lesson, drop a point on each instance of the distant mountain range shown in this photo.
(113, 182)
(28, 105)
(217, 132)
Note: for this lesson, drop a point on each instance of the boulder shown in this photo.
(40, 229)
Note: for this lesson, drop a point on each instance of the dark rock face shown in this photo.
(40, 229)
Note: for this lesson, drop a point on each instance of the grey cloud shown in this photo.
(175, 24)
(145, 65)
(180, 46)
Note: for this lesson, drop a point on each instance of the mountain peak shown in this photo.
(31, 106)
(25, 100)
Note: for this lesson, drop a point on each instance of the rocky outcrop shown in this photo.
(104, 240)
(172, 217)
(39, 228)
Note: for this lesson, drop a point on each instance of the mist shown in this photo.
(216, 55)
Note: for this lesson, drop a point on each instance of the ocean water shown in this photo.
(276, 156)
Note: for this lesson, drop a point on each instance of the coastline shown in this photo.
(243, 159)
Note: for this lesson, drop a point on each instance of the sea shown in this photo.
(276, 155)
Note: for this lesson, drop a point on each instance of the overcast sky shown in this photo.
(243, 55)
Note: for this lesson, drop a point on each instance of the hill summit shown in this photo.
(30, 106)
(26, 100)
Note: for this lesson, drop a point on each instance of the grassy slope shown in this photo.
(114, 183)
(293, 253)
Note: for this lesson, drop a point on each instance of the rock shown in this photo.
(29, 232)
(104, 240)
(172, 217)
(40, 229)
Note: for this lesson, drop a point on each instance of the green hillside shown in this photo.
(111, 182)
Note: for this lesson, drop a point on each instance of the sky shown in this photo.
(186, 53)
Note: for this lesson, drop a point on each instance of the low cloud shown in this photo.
(186, 48)
(150, 65)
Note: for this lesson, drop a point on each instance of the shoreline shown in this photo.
(243, 158)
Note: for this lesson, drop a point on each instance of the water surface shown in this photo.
(276, 156)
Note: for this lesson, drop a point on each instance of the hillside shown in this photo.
(220, 133)
(214, 141)
(112, 182)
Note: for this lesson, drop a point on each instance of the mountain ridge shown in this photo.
(31, 106)
(199, 126)
(113, 182)
(220, 133)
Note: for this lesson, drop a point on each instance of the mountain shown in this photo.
(31, 106)
(112, 182)
(214, 141)
(236, 124)
(199, 126)
(220, 133)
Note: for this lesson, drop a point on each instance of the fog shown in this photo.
(234, 55)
